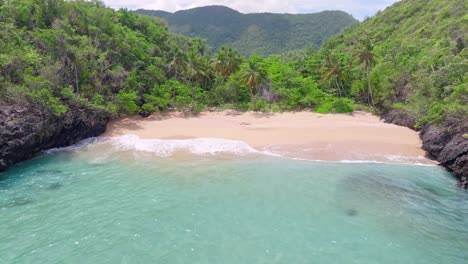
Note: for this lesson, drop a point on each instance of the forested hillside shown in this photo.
(411, 63)
(261, 33)
(411, 58)
(56, 52)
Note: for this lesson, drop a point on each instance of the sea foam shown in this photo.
(210, 147)
(167, 147)
(83, 143)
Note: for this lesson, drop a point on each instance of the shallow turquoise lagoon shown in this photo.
(94, 205)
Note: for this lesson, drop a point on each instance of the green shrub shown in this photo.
(198, 108)
(149, 108)
(98, 100)
(46, 97)
(339, 105)
(258, 104)
(304, 93)
(67, 93)
(183, 103)
(112, 109)
(439, 112)
(128, 100)
(435, 116)
(222, 94)
(244, 106)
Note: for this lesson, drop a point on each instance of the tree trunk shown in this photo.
(370, 99)
(338, 87)
(76, 80)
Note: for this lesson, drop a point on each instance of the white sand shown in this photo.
(331, 137)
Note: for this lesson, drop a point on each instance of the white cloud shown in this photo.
(358, 8)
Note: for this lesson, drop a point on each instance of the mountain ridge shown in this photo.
(259, 33)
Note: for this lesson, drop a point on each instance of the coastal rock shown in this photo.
(448, 143)
(399, 117)
(27, 129)
(448, 146)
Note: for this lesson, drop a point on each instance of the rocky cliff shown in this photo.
(447, 143)
(27, 129)
(449, 146)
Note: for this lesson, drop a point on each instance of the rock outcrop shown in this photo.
(399, 117)
(27, 129)
(447, 143)
(449, 146)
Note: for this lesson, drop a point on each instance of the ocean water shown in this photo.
(127, 200)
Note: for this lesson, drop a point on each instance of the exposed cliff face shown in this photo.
(448, 143)
(450, 147)
(25, 130)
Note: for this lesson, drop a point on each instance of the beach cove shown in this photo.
(356, 137)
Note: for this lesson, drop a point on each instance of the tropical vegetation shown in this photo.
(409, 59)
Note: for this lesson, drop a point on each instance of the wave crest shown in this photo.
(105, 146)
(167, 147)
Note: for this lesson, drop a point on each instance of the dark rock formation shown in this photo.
(399, 117)
(351, 212)
(55, 186)
(27, 129)
(448, 145)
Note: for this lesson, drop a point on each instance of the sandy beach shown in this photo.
(305, 135)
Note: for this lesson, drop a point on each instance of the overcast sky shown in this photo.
(358, 8)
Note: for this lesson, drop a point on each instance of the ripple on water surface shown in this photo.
(98, 205)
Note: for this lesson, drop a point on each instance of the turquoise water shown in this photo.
(100, 205)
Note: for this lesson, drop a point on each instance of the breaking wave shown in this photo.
(168, 147)
(210, 147)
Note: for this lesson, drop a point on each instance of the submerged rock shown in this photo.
(55, 186)
(26, 129)
(351, 212)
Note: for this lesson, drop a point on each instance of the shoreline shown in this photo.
(303, 135)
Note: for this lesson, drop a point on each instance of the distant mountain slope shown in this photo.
(262, 33)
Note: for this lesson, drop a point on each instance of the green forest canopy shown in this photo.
(259, 33)
(411, 59)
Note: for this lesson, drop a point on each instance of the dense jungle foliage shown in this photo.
(411, 58)
(259, 33)
(54, 52)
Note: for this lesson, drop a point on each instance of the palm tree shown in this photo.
(332, 71)
(366, 58)
(226, 62)
(253, 76)
(198, 68)
(192, 66)
(177, 63)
